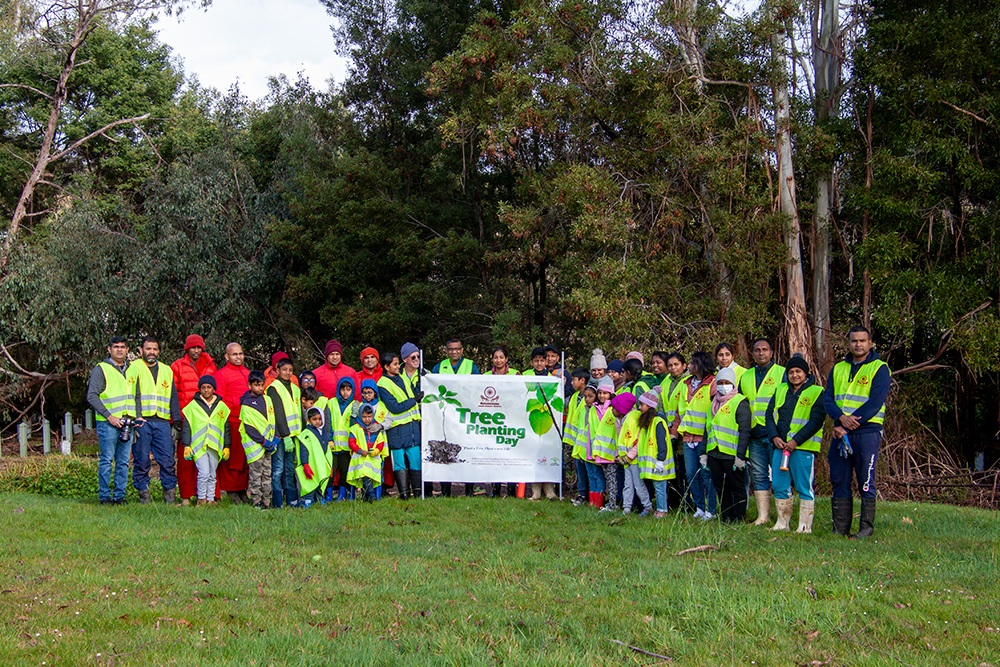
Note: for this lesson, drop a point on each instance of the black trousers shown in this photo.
(731, 486)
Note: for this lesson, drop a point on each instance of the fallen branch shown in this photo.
(664, 658)
(698, 549)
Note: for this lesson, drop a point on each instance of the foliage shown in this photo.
(60, 476)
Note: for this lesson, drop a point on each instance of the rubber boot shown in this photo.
(867, 524)
(402, 484)
(144, 496)
(784, 506)
(536, 491)
(806, 511)
(599, 499)
(763, 499)
(329, 493)
(843, 514)
(550, 490)
(378, 492)
(169, 496)
(416, 482)
(351, 493)
(341, 493)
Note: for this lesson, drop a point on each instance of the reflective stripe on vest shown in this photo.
(207, 431)
(694, 412)
(116, 397)
(604, 443)
(669, 400)
(263, 425)
(647, 453)
(291, 403)
(581, 441)
(401, 394)
(154, 399)
(800, 416)
(341, 426)
(760, 397)
(723, 431)
(464, 367)
(571, 430)
(852, 394)
(365, 466)
(317, 461)
(628, 436)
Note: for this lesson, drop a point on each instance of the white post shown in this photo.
(88, 419)
(23, 431)
(46, 436)
(68, 427)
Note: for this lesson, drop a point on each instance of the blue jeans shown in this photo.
(406, 458)
(861, 463)
(761, 452)
(701, 493)
(582, 485)
(153, 436)
(277, 468)
(660, 489)
(595, 478)
(114, 451)
(800, 474)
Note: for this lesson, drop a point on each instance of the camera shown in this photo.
(128, 425)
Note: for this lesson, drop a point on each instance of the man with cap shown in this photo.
(370, 369)
(271, 374)
(194, 364)
(206, 437)
(330, 373)
(455, 364)
(233, 475)
(109, 395)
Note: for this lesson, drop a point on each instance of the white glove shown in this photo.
(658, 468)
(739, 464)
(703, 460)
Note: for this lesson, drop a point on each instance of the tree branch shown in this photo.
(79, 142)
(24, 87)
(967, 113)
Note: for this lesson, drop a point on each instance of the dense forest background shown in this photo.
(597, 173)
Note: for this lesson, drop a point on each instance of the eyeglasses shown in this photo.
(414, 356)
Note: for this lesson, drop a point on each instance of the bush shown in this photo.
(63, 476)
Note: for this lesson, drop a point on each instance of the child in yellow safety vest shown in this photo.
(367, 449)
(342, 410)
(312, 467)
(574, 435)
(259, 439)
(588, 433)
(205, 436)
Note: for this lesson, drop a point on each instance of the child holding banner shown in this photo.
(538, 361)
(574, 435)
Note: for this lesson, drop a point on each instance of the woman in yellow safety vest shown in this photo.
(689, 425)
(725, 357)
(725, 446)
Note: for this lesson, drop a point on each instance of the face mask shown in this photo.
(723, 389)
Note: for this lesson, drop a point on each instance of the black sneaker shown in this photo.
(119, 501)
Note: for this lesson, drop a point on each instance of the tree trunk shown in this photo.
(826, 66)
(687, 38)
(796, 318)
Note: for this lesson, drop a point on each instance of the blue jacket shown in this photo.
(876, 399)
(405, 435)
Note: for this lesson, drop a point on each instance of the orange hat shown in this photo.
(368, 350)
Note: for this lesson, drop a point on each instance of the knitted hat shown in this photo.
(276, 357)
(623, 402)
(407, 350)
(651, 397)
(194, 340)
(207, 379)
(616, 365)
(597, 359)
(726, 374)
(606, 384)
(333, 346)
(796, 361)
(636, 354)
(368, 351)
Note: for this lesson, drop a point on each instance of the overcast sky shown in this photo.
(250, 40)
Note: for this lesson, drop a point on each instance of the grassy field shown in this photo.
(481, 581)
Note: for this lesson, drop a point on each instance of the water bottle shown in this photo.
(785, 456)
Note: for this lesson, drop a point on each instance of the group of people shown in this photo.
(679, 436)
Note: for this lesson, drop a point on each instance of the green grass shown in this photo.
(480, 581)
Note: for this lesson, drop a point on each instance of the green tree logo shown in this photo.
(443, 398)
(541, 408)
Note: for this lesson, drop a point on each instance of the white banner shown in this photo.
(491, 428)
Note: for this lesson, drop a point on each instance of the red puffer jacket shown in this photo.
(187, 374)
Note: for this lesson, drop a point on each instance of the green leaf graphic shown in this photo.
(541, 422)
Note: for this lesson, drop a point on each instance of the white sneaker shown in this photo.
(699, 514)
(707, 516)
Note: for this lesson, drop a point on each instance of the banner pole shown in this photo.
(562, 462)
(420, 374)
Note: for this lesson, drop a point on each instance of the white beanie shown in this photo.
(726, 374)
(597, 359)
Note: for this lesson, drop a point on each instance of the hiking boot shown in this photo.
(169, 496)
(144, 496)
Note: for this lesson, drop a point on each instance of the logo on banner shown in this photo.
(490, 398)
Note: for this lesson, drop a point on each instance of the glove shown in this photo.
(188, 454)
(225, 453)
(739, 464)
(658, 468)
(175, 432)
(374, 427)
(270, 446)
(845, 448)
(419, 396)
(703, 460)
(308, 471)
(289, 444)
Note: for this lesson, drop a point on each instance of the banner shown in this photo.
(491, 428)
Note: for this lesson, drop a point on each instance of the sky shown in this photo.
(250, 40)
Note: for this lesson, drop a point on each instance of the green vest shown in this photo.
(464, 368)
(628, 436)
(116, 397)
(207, 431)
(852, 394)
(154, 399)
(340, 424)
(400, 394)
(586, 422)
(263, 424)
(365, 466)
(800, 416)
(694, 411)
(291, 403)
(572, 429)
(531, 371)
(647, 453)
(412, 381)
(669, 400)
(510, 371)
(723, 431)
(645, 382)
(760, 397)
(604, 443)
(317, 461)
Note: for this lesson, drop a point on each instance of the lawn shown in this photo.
(487, 581)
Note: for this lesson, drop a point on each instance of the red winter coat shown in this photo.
(233, 475)
(187, 374)
(328, 377)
